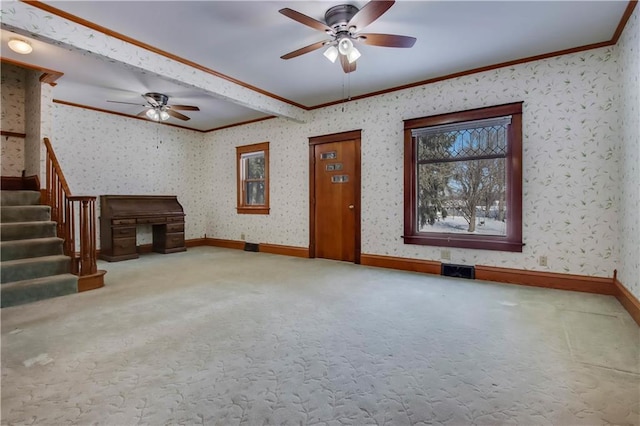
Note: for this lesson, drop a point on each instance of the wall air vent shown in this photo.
(251, 247)
(458, 271)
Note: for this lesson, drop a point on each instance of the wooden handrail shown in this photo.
(75, 215)
(56, 165)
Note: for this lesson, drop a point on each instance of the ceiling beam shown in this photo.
(24, 18)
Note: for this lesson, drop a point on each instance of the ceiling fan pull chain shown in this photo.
(344, 96)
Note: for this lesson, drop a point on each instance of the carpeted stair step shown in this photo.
(19, 198)
(20, 292)
(27, 230)
(22, 249)
(34, 267)
(25, 213)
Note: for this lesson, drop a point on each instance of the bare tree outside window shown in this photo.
(461, 176)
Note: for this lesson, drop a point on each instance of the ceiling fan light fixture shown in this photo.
(153, 114)
(345, 45)
(331, 53)
(164, 115)
(353, 55)
(20, 46)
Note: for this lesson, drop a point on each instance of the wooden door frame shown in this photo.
(355, 135)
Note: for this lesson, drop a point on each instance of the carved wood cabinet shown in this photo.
(120, 214)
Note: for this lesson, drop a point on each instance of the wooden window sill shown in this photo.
(253, 210)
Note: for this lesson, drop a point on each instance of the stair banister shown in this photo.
(64, 210)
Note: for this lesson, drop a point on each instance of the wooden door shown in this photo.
(336, 197)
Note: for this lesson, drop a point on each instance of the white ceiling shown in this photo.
(245, 40)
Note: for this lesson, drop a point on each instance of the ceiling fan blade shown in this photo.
(346, 66)
(142, 114)
(151, 101)
(304, 19)
(128, 103)
(177, 115)
(386, 40)
(184, 107)
(305, 49)
(369, 13)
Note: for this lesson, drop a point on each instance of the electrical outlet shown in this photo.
(242, 236)
(445, 254)
(542, 260)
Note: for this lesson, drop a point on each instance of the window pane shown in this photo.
(435, 146)
(253, 178)
(462, 197)
(254, 165)
(462, 142)
(254, 193)
(461, 169)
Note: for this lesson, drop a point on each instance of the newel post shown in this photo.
(87, 241)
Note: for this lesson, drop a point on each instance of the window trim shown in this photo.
(512, 242)
(241, 207)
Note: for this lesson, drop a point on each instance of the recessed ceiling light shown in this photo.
(20, 46)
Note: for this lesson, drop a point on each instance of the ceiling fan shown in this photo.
(158, 110)
(343, 24)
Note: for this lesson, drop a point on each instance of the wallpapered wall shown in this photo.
(37, 105)
(104, 154)
(571, 162)
(629, 64)
(12, 83)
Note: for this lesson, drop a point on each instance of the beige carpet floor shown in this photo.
(215, 336)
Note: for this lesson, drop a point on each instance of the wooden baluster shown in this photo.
(67, 212)
(69, 238)
(72, 239)
(92, 233)
(59, 208)
(48, 181)
(52, 200)
(84, 239)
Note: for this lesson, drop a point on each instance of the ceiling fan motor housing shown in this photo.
(160, 99)
(338, 17)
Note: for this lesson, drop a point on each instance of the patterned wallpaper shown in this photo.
(104, 154)
(12, 155)
(46, 124)
(288, 185)
(12, 80)
(33, 140)
(12, 84)
(571, 162)
(629, 65)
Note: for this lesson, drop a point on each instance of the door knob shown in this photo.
(350, 206)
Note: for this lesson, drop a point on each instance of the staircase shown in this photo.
(33, 266)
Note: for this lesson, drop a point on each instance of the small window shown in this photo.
(253, 178)
(463, 179)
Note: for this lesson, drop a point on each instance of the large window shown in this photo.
(253, 178)
(463, 179)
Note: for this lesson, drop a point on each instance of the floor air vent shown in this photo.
(458, 271)
(251, 247)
